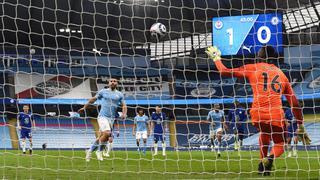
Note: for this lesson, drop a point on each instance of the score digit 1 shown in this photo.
(230, 33)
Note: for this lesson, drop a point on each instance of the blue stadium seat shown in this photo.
(5, 140)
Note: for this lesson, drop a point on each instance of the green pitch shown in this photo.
(131, 165)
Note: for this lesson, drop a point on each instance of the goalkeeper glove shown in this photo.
(214, 53)
(303, 135)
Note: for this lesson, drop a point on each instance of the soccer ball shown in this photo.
(158, 30)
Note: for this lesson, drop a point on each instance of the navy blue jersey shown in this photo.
(293, 126)
(158, 120)
(237, 117)
(25, 120)
(231, 117)
(289, 116)
(240, 115)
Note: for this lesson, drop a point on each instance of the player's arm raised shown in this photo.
(214, 53)
(90, 101)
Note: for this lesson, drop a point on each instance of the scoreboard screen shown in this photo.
(237, 35)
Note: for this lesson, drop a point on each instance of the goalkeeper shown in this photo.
(268, 84)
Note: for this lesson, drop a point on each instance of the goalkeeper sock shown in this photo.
(277, 150)
(264, 141)
(23, 144)
(294, 147)
(155, 148)
(109, 147)
(101, 146)
(163, 148)
(94, 146)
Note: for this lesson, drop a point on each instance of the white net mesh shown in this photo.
(58, 54)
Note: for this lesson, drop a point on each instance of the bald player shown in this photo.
(110, 99)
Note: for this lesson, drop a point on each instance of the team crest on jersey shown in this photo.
(218, 24)
(26, 120)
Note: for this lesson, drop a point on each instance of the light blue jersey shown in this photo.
(141, 122)
(110, 101)
(215, 116)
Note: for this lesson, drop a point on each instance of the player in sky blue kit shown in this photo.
(25, 124)
(141, 129)
(216, 119)
(115, 131)
(159, 125)
(110, 99)
(237, 119)
(292, 127)
(107, 149)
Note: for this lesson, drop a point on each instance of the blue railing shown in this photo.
(160, 101)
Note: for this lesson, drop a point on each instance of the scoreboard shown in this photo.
(237, 35)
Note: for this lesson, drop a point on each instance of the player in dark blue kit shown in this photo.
(237, 119)
(158, 124)
(25, 123)
(292, 127)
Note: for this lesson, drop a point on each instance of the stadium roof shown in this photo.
(118, 23)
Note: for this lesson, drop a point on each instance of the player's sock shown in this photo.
(277, 150)
(264, 141)
(155, 145)
(101, 146)
(23, 144)
(109, 147)
(144, 147)
(164, 149)
(99, 151)
(30, 149)
(138, 145)
(294, 150)
(240, 143)
(94, 146)
(289, 147)
(236, 143)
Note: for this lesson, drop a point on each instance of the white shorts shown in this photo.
(141, 134)
(105, 124)
(215, 132)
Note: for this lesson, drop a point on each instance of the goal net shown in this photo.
(56, 55)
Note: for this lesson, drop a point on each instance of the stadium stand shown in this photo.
(5, 142)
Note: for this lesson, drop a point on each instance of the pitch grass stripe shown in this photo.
(130, 165)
